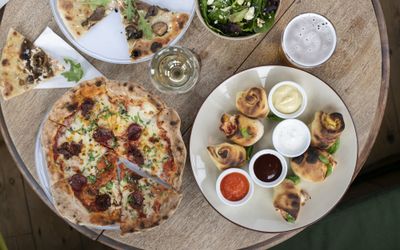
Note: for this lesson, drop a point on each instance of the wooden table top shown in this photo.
(358, 71)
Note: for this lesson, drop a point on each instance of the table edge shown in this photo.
(270, 242)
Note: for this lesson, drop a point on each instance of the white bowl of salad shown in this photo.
(237, 19)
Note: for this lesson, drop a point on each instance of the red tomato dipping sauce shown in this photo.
(234, 186)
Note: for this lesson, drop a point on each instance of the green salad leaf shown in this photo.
(75, 72)
(324, 159)
(249, 152)
(334, 147)
(294, 178)
(289, 218)
(238, 17)
(274, 118)
(329, 170)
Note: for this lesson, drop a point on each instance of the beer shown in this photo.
(308, 40)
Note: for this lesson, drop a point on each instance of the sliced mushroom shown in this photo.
(97, 15)
(152, 11)
(155, 47)
(132, 32)
(159, 28)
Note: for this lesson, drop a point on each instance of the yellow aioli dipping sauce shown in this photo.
(287, 99)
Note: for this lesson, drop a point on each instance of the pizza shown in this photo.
(89, 130)
(149, 28)
(24, 65)
(145, 203)
(81, 15)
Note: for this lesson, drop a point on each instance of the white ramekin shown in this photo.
(289, 152)
(272, 183)
(234, 203)
(292, 115)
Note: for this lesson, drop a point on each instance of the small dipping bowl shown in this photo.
(295, 113)
(268, 168)
(291, 137)
(227, 177)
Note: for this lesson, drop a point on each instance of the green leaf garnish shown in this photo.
(249, 152)
(130, 10)
(324, 159)
(289, 218)
(294, 178)
(334, 147)
(329, 170)
(75, 72)
(145, 26)
(244, 132)
(91, 179)
(95, 3)
(91, 156)
(109, 185)
(274, 118)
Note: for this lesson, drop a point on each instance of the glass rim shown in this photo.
(191, 82)
(300, 65)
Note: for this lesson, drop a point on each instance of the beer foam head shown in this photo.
(309, 40)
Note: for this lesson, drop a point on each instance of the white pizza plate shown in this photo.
(41, 170)
(106, 40)
(259, 214)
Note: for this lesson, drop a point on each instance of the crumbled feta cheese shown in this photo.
(260, 22)
(240, 2)
(209, 2)
(248, 4)
(250, 14)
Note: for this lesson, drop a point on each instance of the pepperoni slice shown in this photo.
(77, 182)
(105, 137)
(70, 149)
(135, 200)
(86, 107)
(134, 155)
(102, 202)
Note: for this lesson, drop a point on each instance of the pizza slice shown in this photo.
(149, 28)
(145, 203)
(90, 199)
(81, 15)
(23, 66)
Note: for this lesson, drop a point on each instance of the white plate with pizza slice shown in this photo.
(103, 32)
(259, 212)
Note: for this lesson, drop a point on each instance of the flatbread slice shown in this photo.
(145, 203)
(81, 15)
(288, 199)
(23, 66)
(149, 28)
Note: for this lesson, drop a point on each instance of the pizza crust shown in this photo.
(67, 204)
(72, 209)
(171, 123)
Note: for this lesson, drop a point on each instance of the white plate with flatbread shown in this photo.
(259, 213)
(106, 40)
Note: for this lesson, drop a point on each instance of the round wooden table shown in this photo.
(358, 71)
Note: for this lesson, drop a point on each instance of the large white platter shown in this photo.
(259, 213)
(106, 41)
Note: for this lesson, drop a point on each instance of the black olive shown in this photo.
(155, 47)
(136, 53)
(133, 33)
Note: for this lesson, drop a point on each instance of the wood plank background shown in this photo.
(27, 223)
